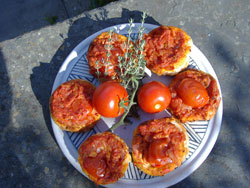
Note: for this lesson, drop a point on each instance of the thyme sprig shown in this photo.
(131, 68)
(108, 48)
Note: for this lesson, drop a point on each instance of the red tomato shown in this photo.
(95, 167)
(154, 97)
(107, 97)
(192, 93)
(157, 152)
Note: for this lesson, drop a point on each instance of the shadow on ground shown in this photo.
(5, 109)
(18, 16)
(5, 94)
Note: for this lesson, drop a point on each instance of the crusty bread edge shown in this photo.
(148, 169)
(210, 114)
(125, 163)
(78, 128)
(182, 62)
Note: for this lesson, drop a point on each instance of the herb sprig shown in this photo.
(131, 69)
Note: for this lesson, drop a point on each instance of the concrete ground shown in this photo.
(32, 50)
(22, 16)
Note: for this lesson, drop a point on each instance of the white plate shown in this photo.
(202, 135)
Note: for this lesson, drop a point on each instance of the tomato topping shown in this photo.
(165, 47)
(71, 106)
(97, 52)
(159, 146)
(193, 93)
(157, 152)
(95, 167)
(154, 97)
(107, 97)
(104, 157)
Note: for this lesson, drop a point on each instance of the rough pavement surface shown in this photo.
(30, 59)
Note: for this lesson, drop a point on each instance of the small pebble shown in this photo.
(65, 174)
(46, 170)
(41, 39)
(37, 131)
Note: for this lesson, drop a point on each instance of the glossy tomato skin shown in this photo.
(95, 167)
(154, 97)
(157, 152)
(192, 93)
(106, 99)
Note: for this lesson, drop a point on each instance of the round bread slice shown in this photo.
(167, 50)
(185, 112)
(104, 158)
(159, 146)
(71, 106)
(97, 52)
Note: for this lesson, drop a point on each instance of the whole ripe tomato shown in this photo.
(107, 97)
(154, 97)
(192, 93)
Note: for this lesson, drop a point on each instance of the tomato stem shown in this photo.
(131, 103)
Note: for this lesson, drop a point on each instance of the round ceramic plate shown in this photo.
(202, 134)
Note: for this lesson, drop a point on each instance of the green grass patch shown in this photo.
(52, 19)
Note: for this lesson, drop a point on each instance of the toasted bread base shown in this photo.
(167, 56)
(141, 162)
(76, 127)
(186, 113)
(97, 52)
(123, 167)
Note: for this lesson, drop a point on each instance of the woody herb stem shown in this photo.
(131, 103)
